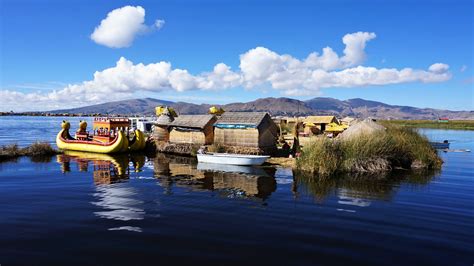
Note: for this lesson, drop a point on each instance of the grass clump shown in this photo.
(40, 149)
(395, 147)
(217, 148)
(35, 150)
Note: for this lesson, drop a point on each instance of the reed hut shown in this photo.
(348, 121)
(247, 129)
(161, 128)
(365, 127)
(320, 121)
(192, 129)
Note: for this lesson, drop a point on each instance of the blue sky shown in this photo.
(46, 46)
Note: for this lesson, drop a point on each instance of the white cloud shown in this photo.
(260, 68)
(159, 23)
(122, 25)
(438, 68)
(463, 68)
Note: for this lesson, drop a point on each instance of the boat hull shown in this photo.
(233, 159)
(119, 144)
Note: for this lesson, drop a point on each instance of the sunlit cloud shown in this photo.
(260, 69)
(122, 25)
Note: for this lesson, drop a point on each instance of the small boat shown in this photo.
(109, 135)
(234, 159)
(440, 145)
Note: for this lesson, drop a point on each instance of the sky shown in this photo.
(64, 54)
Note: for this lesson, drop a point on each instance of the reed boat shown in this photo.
(233, 159)
(110, 135)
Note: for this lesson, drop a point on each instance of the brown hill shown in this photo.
(279, 106)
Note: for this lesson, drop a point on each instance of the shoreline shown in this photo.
(450, 125)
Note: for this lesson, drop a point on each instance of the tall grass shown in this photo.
(35, 150)
(396, 147)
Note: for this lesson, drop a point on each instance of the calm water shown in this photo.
(87, 209)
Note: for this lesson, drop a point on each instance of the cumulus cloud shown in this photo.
(438, 68)
(260, 67)
(121, 26)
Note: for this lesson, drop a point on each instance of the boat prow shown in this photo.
(138, 142)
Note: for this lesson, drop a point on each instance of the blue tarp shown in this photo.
(234, 126)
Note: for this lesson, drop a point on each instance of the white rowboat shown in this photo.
(234, 159)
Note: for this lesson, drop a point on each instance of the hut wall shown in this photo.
(161, 133)
(236, 137)
(191, 137)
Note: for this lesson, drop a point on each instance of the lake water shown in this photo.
(82, 209)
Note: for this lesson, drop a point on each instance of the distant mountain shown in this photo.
(132, 107)
(279, 106)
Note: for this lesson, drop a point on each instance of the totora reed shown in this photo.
(380, 151)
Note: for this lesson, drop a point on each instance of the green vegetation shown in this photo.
(219, 148)
(451, 124)
(35, 151)
(396, 147)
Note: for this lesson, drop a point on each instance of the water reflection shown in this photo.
(359, 190)
(117, 200)
(229, 181)
(107, 169)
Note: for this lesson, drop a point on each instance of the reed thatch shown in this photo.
(193, 129)
(193, 121)
(243, 118)
(321, 119)
(247, 129)
(364, 127)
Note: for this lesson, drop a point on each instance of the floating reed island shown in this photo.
(368, 147)
(35, 150)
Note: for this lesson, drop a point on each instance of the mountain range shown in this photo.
(359, 108)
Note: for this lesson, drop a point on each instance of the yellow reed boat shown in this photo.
(110, 135)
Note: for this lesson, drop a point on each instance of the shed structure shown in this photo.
(320, 121)
(192, 129)
(247, 129)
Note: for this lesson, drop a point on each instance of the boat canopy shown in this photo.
(110, 123)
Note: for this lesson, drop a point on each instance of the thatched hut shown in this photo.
(192, 129)
(348, 121)
(320, 121)
(247, 129)
(161, 128)
(362, 128)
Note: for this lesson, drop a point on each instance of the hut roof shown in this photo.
(242, 118)
(192, 121)
(364, 127)
(347, 119)
(320, 119)
(164, 120)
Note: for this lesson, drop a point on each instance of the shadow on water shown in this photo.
(229, 181)
(381, 186)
